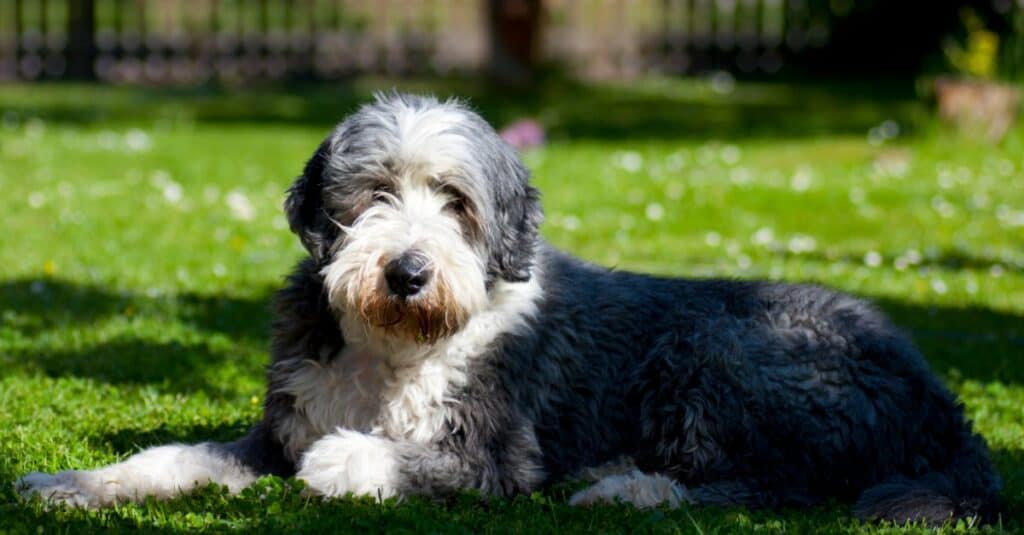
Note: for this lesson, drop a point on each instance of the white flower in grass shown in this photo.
(675, 161)
(939, 286)
(946, 179)
(35, 127)
(996, 271)
(654, 211)
(800, 243)
(173, 193)
(743, 261)
(972, 286)
(1009, 217)
(741, 176)
(910, 257)
(873, 259)
(219, 270)
(730, 154)
(763, 236)
(801, 180)
(889, 128)
(630, 161)
(240, 205)
(674, 191)
(36, 199)
(722, 82)
(137, 141)
(570, 223)
(713, 239)
(944, 208)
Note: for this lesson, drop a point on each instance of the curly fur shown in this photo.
(531, 365)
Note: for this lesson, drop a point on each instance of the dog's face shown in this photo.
(414, 209)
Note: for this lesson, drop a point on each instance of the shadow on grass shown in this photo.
(970, 343)
(125, 441)
(173, 366)
(1010, 465)
(45, 304)
(174, 341)
(668, 109)
(973, 343)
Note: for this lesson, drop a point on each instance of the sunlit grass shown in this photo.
(143, 236)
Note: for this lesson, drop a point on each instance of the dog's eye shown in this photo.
(383, 189)
(456, 202)
(457, 205)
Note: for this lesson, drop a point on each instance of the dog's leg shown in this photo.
(348, 461)
(635, 487)
(161, 472)
(351, 462)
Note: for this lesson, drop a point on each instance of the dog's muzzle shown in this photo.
(407, 274)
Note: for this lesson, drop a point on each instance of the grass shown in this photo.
(143, 238)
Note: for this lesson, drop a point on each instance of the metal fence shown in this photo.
(198, 41)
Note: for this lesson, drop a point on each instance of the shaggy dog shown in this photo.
(432, 343)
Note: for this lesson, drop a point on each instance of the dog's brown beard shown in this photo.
(425, 319)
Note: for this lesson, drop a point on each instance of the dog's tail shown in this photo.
(967, 487)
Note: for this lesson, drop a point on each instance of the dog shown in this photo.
(432, 343)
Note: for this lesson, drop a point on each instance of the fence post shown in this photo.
(81, 52)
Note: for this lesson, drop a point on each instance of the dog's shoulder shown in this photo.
(303, 324)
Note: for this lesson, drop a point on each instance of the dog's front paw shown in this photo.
(350, 462)
(637, 488)
(60, 488)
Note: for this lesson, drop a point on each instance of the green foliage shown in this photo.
(978, 58)
(143, 238)
(985, 54)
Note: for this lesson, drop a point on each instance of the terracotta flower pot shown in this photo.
(978, 107)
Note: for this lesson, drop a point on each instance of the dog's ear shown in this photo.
(304, 205)
(519, 217)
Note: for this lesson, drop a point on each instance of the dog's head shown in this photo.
(414, 209)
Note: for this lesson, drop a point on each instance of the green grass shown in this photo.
(133, 297)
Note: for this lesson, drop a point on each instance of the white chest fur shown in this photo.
(400, 392)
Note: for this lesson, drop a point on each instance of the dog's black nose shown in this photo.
(407, 274)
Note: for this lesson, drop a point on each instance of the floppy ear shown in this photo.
(304, 205)
(519, 217)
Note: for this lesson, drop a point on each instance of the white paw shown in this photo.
(60, 488)
(636, 487)
(350, 462)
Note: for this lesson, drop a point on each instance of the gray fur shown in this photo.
(749, 393)
(754, 394)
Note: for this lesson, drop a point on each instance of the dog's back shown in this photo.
(796, 392)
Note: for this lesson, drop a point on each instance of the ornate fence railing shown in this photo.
(196, 41)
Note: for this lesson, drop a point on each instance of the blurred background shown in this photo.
(191, 42)
(145, 146)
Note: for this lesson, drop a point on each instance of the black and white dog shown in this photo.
(432, 342)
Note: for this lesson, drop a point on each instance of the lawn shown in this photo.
(143, 237)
